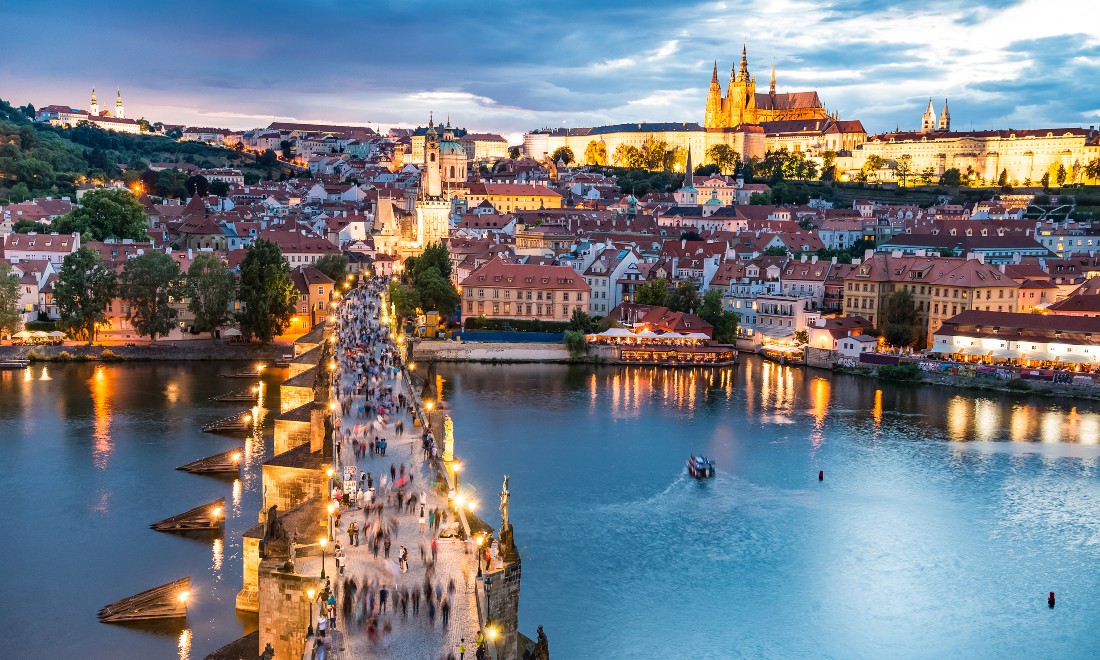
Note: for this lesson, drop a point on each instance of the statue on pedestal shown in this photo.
(448, 439)
(507, 546)
(504, 497)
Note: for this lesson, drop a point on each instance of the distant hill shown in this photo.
(39, 160)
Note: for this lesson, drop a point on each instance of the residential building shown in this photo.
(501, 289)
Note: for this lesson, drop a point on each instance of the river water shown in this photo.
(89, 458)
(944, 518)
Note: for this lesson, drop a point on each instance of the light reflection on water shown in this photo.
(943, 520)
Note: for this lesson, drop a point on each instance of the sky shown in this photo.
(509, 67)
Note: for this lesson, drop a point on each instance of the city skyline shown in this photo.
(516, 68)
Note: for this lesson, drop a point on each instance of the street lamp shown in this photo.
(331, 510)
(329, 472)
(457, 467)
(323, 541)
(311, 593)
(480, 542)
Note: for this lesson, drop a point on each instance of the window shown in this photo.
(565, 295)
(481, 293)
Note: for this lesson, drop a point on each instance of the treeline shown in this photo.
(153, 291)
(40, 160)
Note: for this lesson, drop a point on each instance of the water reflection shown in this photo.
(101, 436)
(185, 644)
(216, 550)
(45, 373)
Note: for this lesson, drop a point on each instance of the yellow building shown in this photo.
(941, 287)
(500, 289)
(510, 197)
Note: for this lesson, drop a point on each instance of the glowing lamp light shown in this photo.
(480, 540)
(332, 407)
(492, 633)
(457, 466)
(412, 366)
(329, 473)
(428, 405)
(323, 541)
(311, 593)
(247, 418)
(471, 505)
(460, 500)
(183, 596)
(260, 367)
(217, 512)
(331, 509)
(255, 389)
(236, 457)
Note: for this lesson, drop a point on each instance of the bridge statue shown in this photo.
(504, 496)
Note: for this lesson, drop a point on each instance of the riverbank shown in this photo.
(452, 351)
(161, 351)
(1014, 386)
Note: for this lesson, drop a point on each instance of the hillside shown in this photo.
(38, 160)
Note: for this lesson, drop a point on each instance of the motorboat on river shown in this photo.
(700, 467)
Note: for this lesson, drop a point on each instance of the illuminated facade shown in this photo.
(743, 105)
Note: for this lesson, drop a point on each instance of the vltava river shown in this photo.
(943, 521)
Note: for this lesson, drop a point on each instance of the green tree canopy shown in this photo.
(725, 157)
(723, 320)
(581, 321)
(436, 292)
(563, 154)
(146, 284)
(266, 292)
(84, 289)
(434, 256)
(595, 153)
(627, 155)
(107, 213)
(209, 288)
(333, 265)
(684, 298)
(10, 318)
(219, 188)
(903, 169)
(405, 299)
(653, 292)
(951, 178)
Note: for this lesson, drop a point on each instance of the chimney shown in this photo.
(803, 259)
(683, 243)
(857, 261)
(1001, 267)
(896, 254)
(189, 253)
(813, 259)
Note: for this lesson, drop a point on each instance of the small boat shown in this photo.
(14, 364)
(700, 467)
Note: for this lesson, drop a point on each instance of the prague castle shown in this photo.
(743, 105)
(751, 123)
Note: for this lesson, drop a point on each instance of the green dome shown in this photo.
(450, 148)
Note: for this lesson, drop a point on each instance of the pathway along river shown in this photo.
(944, 519)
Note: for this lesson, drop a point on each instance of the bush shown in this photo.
(64, 356)
(44, 326)
(522, 325)
(900, 372)
(34, 355)
(576, 343)
(110, 356)
(1018, 384)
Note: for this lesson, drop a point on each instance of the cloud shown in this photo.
(511, 66)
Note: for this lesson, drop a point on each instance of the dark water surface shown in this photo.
(944, 518)
(89, 458)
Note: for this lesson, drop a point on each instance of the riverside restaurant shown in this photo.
(1024, 340)
(665, 348)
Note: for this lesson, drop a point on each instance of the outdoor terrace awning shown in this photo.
(1007, 353)
(972, 350)
(1075, 358)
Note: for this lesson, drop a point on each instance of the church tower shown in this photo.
(742, 94)
(93, 107)
(432, 210)
(119, 110)
(928, 122)
(945, 118)
(771, 87)
(687, 195)
(714, 102)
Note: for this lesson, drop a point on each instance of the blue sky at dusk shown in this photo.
(508, 67)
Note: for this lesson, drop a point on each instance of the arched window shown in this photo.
(452, 171)
(432, 158)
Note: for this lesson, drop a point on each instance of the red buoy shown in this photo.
(821, 475)
(1050, 600)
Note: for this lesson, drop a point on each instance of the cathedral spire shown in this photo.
(928, 121)
(743, 73)
(771, 88)
(714, 76)
(689, 171)
(945, 118)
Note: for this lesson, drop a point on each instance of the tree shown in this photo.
(775, 251)
(144, 125)
(1002, 180)
(107, 213)
(723, 320)
(1046, 180)
(405, 299)
(563, 155)
(513, 152)
(627, 155)
(760, 199)
(267, 293)
(1092, 169)
(653, 292)
(209, 289)
(901, 319)
(436, 292)
(595, 153)
(434, 256)
(1060, 176)
(952, 178)
(267, 159)
(872, 165)
(575, 342)
(28, 226)
(287, 149)
(333, 265)
(84, 289)
(802, 337)
(725, 157)
(171, 183)
(926, 175)
(904, 168)
(19, 193)
(146, 284)
(684, 298)
(197, 185)
(10, 319)
(828, 165)
(580, 321)
(219, 188)
(690, 235)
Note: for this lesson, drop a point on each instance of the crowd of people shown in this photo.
(376, 591)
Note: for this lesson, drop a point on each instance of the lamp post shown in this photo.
(331, 510)
(480, 542)
(323, 541)
(310, 593)
(457, 467)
